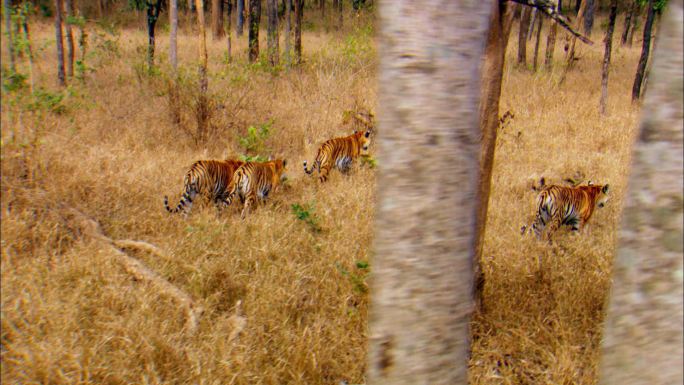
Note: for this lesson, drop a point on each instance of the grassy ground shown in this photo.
(71, 314)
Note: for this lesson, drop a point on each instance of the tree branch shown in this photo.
(549, 8)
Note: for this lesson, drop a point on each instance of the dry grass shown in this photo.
(71, 314)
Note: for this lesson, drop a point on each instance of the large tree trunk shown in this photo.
(288, 32)
(628, 22)
(240, 17)
(522, 34)
(61, 77)
(216, 19)
(69, 8)
(606, 57)
(428, 146)
(643, 338)
(645, 49)
(500, 22)
(298, 11)
(152, 16)
(173, 35)
(7, 9)
(589, 16)
(254, 21)
(273, 49)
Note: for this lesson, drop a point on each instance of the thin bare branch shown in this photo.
(549, 8)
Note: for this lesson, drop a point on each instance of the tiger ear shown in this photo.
(605, 189)
(590, 183)
(367, 134)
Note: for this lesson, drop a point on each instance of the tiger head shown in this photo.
(603, 196)
(364, 139)
(280, 169)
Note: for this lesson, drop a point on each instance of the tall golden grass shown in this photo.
(285, 301)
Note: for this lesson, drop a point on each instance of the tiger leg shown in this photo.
(554, 224)
(324, 171)
(251, 198)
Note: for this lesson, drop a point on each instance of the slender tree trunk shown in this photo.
(643, 328)
(589, 16)
(628, 22)
(288, 33)
(217, 19)
(635, 20)
(538, 41)
(299, 11)
(321, 5)
(254, 21)
(7, 5)
(202, 103)
(577, 6)
(229, 43)
(173, 35)
(29, 51)
(273, 49)
(573, 40)
(69, 37)
(340, 7)
(422, 266)
(152, 16)
(532, 24)
(646, 48)
(522, 35)
(606, 57)
(240, 17)
(500, 22)
(550, 46)
(60, 43)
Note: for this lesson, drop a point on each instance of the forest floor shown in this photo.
(284, 292)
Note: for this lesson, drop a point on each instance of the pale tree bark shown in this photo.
(216, 19)
(589, 16)
(173, 35)
(69, 12)
(202, 108)
(428, 145)
(500, 22)
(645, 50)
(152, 17)
(240, 17)
(7, 9)
(643, 338)
(606, 57)
(272, 33)
(61, 76)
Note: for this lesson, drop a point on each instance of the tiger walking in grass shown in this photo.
(571, 206)
(209, 178)
(253, 182)
(339, 153)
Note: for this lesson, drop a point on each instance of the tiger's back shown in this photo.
(209, 178)
(254, 181)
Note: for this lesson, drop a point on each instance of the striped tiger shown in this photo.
(255, 180)
(209, 178)
(561, 205)
(339, 153)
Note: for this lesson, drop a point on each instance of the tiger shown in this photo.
(339, 153)
(561, 205)
(255, 180)
(209, 178)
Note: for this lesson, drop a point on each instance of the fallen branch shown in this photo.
(549, 8)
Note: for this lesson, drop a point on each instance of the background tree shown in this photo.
(522, 34)
(153, 8)
(422, 272)
(288, 31)
(589, 16)
(217, 19)
(202, 108)
(540, 21)
(229, 12)
(273, 49)
(240, 17)
(61, 77)
(173, 34)
(69, 11)
(254, 20)
(340, 14)
(635, 21)
(299, 15)
(606, 57)
(645, 50)
(628, 21)
(643, 329)
(7, 10)
(550, 46)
